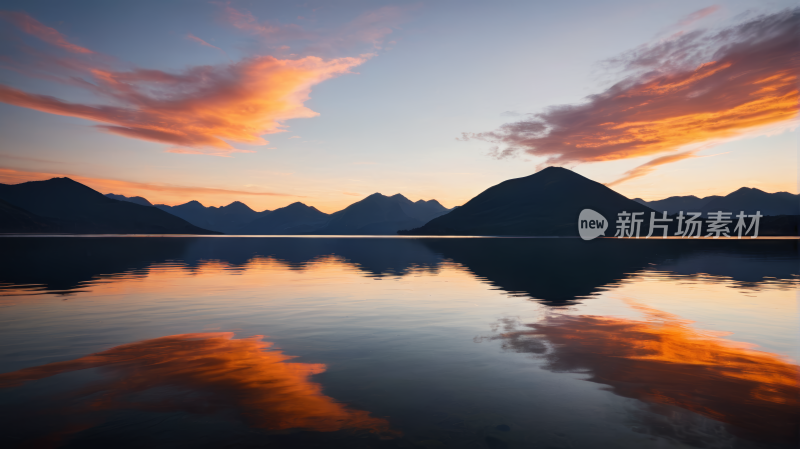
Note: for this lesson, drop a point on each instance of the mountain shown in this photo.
(545, 203)
(131, 199)
(751, 200)
(745, 199)
(228, 219)
(296, 218)
(75, 208)
(675, 204)
(378, 214)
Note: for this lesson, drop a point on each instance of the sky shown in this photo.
(327, 102)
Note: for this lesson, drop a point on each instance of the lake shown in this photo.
(398, 342)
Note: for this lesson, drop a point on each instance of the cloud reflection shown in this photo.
(206, 373)
(664, 361)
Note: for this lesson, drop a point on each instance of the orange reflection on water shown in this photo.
(219, 373)
(665, 361)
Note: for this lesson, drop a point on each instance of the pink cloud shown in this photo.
(698, 15)
(370, 27)
(35, 28)
(204, 43)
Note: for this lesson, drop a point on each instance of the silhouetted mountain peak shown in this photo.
(545, 203)
(191, 205)
(131, 199)
(297, 205)
(747, 190)
(559, 172)
(237, 206)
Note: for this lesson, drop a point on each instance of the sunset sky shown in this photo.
(327, 102)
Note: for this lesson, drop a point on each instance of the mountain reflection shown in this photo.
(552, 271)
(664, 361)
(202, 373)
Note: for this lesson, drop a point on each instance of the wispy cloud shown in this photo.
(370, 28)
(132, 188)
(199, 110)
(696, 87)
(698, 15)
(648, 167)
(205, 44)
(47, 34)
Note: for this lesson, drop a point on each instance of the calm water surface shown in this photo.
(398, 343)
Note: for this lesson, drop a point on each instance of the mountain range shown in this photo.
(744, 199)
(227, 219)
(62, 205)
(376, 214)
(546, 203)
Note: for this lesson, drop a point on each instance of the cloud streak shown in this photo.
(33, 27)
(698, 15)
(648, 167)
(370, 27)
(158, 193)
(205, 44)
(692, 88)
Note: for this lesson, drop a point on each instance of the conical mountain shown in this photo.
(545, 203)
(77, 208)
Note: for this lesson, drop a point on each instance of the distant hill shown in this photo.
(228, 219)
(545, 203)
(130, 199)
(751, 200)
(75, 208)
(745, 199)
(296, 218)
(675, 204)
(379, 214)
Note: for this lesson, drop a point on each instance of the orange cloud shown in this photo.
(35, 28)
(201, 108)
(648, 167)
(698, 87)
(665, 361)
(222, 374)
